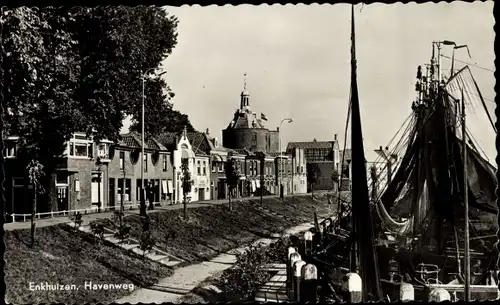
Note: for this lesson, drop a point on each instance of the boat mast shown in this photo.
(466, 206)
(361, 210)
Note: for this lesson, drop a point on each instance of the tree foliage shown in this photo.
(70, 69)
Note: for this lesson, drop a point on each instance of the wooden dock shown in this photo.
(274, 291)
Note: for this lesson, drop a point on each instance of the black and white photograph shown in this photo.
(312, 153)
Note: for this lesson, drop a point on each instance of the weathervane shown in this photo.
(245, 81)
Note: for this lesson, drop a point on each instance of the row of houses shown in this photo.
(107, 174)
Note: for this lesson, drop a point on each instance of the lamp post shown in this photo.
(288, 120)
(143, 199)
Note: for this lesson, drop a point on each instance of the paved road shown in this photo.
(185, 279)
(90, 217)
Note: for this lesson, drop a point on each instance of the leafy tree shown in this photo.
(123, 231)
(77, 219)
(232, 179)
(186, 182)
(74, 69)
(97, 229)
(146, 240)
(313, 172)
(35, 172)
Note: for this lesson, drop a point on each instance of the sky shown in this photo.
(297, 60)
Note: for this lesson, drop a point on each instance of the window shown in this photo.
(122, 160)
(81, 149)
(204, 168)
(250, 170)
(81, 146)
(214, 166)
(61, 178)
(298, 168)
(302, 169)
(119, 189)
(221, 167)
(10, 149)
(128, 187)
(145, 162)
(103, 150)
(165, 162)
(198, 167)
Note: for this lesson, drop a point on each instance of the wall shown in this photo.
(202, 180)
(244, 138)
(81, 170)
(324, 181)
(274, 142)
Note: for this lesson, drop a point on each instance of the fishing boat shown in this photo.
(427, 221)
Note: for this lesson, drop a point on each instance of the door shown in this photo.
(96, 189)
(62, 198)
(112, 197)
(201, 194)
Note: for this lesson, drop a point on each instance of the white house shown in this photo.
(199, 167)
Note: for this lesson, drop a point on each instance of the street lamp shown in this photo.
(288, 120)
(143, 76)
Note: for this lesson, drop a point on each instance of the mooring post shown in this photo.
(439, 295)
(293, 258)
(297, 274)
(308, 237)
(291, 250)
(406, 292)
(355, 288)
(308, 291)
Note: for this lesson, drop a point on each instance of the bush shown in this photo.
(97, 229)
(123, 233)
(77, 219)
(146, 241)
(242, 281)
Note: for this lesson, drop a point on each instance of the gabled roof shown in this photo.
(128, 140)
(310, 145)
(168, 139)
(133, 140)
(199, 142)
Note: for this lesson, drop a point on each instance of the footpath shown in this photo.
(185, 279)
(102, 215)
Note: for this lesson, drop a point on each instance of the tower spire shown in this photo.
(245, 96)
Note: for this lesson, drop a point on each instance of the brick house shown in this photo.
(283, 170)
(218, 160)
(78, 181)
(124, 171)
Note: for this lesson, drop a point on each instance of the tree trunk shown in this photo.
(33, 209)
(312, 191)
(230, 203)
(185, 208)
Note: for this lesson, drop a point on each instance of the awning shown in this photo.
(164, 188)
(170, 186)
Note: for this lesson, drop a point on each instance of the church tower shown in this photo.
(245, 96)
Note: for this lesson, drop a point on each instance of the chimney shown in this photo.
(207, 132)
(380, 148)
(277, 129)
(335, 137)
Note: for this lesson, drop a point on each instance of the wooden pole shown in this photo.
(466, 207)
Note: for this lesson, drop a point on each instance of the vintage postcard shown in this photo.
(269, 153)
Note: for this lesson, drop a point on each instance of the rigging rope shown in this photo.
(343, 153)
(470, 64)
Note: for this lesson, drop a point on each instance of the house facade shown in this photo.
(299, 171)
